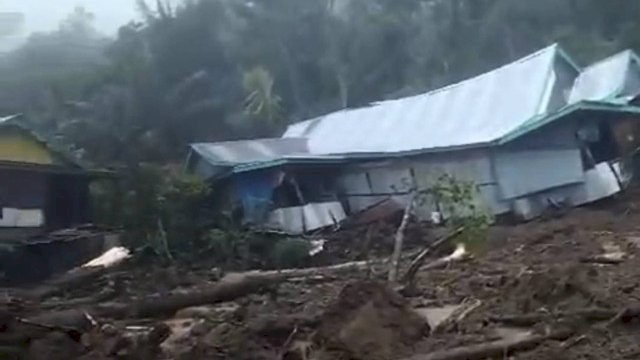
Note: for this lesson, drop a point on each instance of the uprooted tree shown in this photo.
(456, 204)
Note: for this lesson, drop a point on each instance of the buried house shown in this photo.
(535, 133)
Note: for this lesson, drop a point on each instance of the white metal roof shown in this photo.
(476, 111)
(603, 79)
(246, 151)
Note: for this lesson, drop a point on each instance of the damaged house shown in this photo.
(44, 208)
(535, 133)
(41, 189)
(267, 182)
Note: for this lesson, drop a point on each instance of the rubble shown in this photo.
(565, 287)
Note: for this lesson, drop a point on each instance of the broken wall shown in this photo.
(524, 177)
(254, 190)
(366, 184)
(363, 185)
(541, 169)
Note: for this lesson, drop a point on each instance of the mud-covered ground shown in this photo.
(552, 269)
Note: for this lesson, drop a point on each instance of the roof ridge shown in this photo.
(553, 47)
(629, 52)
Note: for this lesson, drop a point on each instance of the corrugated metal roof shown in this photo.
(604, 107)
(250, 151)
(477, 111)
(62, 156)
(604, 79)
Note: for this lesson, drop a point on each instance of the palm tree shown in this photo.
(261, 101)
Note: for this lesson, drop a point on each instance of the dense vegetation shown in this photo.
(211, 70)
(229, 69)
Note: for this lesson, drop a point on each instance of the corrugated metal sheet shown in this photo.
(21, 143)
(249, 151)
(473, 112)
(602, 80)
(526, 172)
(310, 217)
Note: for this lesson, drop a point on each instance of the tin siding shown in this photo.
(367, 184)
(531, 171)
(470, 166)
(543, 160)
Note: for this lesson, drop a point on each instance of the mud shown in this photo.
(532, 268)
(370, 321)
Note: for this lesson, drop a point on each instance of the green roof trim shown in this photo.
(543, 120)
(616, 105)
(289, 161)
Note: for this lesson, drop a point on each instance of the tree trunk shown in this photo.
(399, 240)
(229, 288)
(500, 348)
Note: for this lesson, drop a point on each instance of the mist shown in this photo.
(36, 16)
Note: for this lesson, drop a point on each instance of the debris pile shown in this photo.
(564, 288)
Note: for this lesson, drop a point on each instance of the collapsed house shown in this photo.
(267, 182)
(535, 133)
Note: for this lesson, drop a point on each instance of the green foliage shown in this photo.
(189, 72)
(459, 204)
(170, 215)
(290, 253)
(225, 248)
(183, 200)
(107, 202)
(240, 250)
(261, 100)
(157, 209)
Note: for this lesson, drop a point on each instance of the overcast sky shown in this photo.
(43, 15)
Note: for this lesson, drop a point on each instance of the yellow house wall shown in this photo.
(17, 147)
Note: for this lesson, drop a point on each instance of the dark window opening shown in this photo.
(286, 195)
(587, 159)
(605, 149)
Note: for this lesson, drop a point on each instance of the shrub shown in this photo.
(458, 202)
(290, 253)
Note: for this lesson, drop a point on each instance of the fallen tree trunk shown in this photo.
(499, 348)
(229, 288)
(419, 260)
(74, 278)
(588, 314)
(602, 259)
(457, 316)
(105, 295)
(281, 275)
(226, 290)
